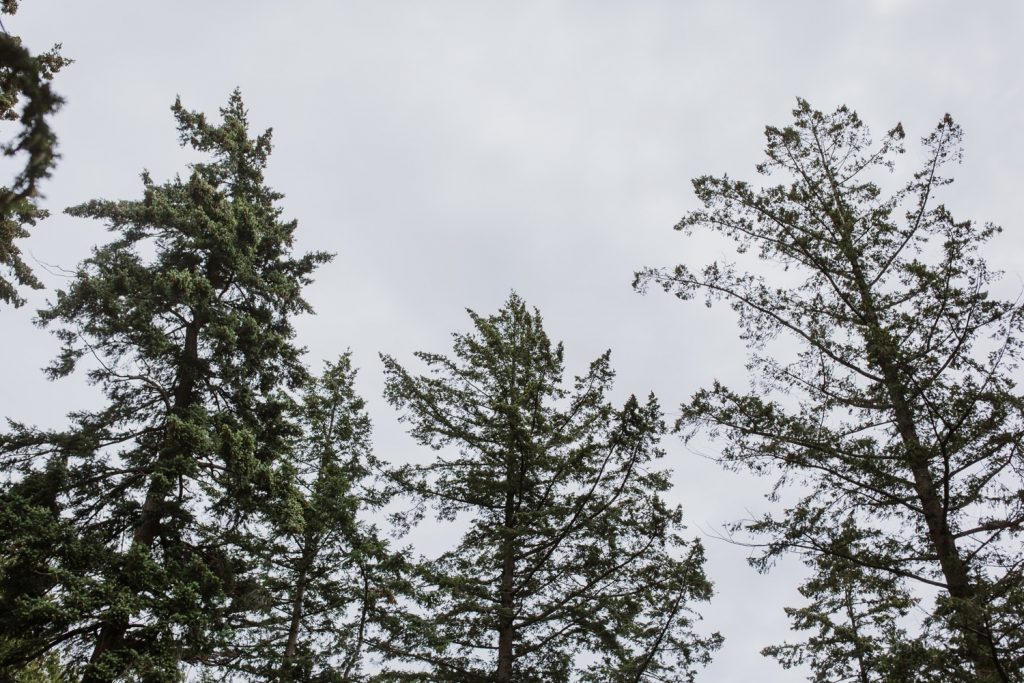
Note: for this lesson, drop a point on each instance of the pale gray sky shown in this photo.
(449, 152)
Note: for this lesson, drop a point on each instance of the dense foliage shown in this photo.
(572, 567)
(128, 527)
(324, 568)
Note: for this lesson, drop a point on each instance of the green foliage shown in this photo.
(27, 99)
(44, 670)
(325, 569)
(855, 615)
(131, 521)
(896, 416)
(572, 567)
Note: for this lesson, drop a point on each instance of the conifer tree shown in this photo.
(572, 567)
(856, 617)
(27, 99)
(898, 411)
(126, 525)
(325, 568)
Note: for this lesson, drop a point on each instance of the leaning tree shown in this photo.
(883, 389)
(571, 567)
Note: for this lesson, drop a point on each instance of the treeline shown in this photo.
(220, 513)
(212, 514)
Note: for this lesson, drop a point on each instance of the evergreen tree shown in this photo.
(855, 616)
(26, 98)
(325, 569)
(126, 525)
(572, 567)
(898, 411)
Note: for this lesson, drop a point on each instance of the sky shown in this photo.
(451, 152)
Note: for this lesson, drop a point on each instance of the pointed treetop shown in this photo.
(239, 159)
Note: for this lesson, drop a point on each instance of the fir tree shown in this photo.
(325, 568)
(898, 411)
(572, 567)
(183, 323)
(856, 616)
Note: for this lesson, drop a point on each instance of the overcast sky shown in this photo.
(450, 152)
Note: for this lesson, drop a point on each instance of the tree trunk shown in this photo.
(506, 617)
(858, 651)
(968, 613)
(297, 606)
(113, 630)
(968, 619)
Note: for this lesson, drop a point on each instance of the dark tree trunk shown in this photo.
(851, 613)
(297, 604)
(882, 352)
(506, 614)
(113, 630)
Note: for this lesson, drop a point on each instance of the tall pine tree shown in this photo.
(122, 553)
(572, 567)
